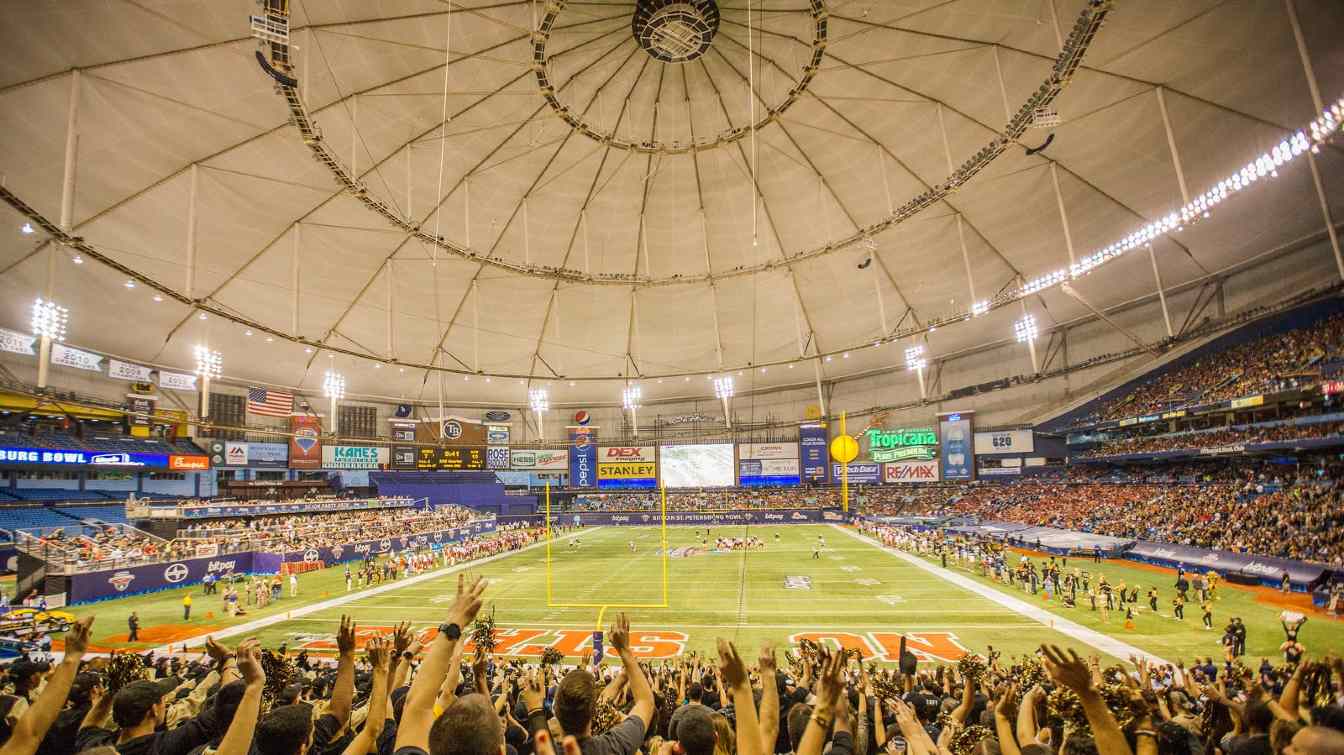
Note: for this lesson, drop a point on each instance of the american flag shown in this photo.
(269, 403)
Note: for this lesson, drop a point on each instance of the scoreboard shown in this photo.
(451, 458)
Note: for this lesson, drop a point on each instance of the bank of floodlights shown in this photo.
(49, 319)
(1025, 330)
(209, 363)
(914, 359)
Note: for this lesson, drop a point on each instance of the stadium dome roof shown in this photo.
(597, 203)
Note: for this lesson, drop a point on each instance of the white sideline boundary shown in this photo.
(266, 621)
(1105, 643)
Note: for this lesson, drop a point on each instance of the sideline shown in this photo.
(1105, 643)
(276, 618)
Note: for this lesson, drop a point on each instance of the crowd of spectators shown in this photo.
(291, 532)
(1214, 438)
(1266, 364)
(424, 695)
(1296, 514)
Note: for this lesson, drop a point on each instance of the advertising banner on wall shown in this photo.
(957, 431)
(403, 431)
(583, 457)
(540, 459)
(761, 516)
(497, 457)
(68, 458)
(758, 472)
(903, 444)
(305, 448)
(1005, 442)
(627, 467)
(268, 455)
(860, 473)
(354, 457)
(812, 440)
(910, 471)
(497, 435)
(767, 451)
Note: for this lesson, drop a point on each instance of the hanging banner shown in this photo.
(119, 370)
(17, 343)
(68, 356)
(812, 442)
(957, 430)
(139, 410)
(177, 381)
(305, 448)
(583, 457)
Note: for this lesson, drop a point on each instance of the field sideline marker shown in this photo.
(266, 621)
(1105, 643)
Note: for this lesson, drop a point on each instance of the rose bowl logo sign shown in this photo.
(176, 572)
(121, 580)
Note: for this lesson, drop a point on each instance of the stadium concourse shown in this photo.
(672, 377)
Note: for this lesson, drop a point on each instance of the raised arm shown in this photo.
(1026, 715)
(379, 650)
(1072, 672)
(1288, 700)
(343, 691)
(734, 673)
(1003, 721)
(960, 712)
(32, 726)
(830, 683)
(638, 683)
(238, 739)
(769, 714)
(418, 714)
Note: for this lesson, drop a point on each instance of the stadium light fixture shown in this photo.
(1025, 331)
(333, 387)
(540, 401)
(915, 362)
(723, 389)
(630, 400)
(49, 321)
(26, 229)
(209, 365)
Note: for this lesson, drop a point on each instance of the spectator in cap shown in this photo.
(27, 732)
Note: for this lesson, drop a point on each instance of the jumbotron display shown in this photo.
(697, 466)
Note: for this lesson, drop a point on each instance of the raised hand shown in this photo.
(468, 602)
(379, 651)
(217, 652)
(731, 667)
(77, 637)
(345, 636)
(831, 677)
(766, 662)
(534, 690)
(249, 662)
(1067, 670)
(402, 637)
(619, 634)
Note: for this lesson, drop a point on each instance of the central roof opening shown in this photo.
(674, 31)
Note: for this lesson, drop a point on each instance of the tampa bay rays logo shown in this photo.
(175, 572)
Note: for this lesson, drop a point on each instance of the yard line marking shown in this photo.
(682, 609)
(276, 618)
(1102, 642)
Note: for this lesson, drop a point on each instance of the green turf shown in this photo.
(855, 588)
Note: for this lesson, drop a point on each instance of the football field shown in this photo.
(856, 595)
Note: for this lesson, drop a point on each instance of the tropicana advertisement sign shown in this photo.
(899, 445)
